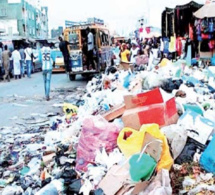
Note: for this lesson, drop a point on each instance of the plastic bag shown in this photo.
(195, 107)
(207, 160)
(189, 151)
(127, 80)
(142, 166)
(177, 138)
(70, 110)
(48, 189)
(74, 187)
(160, 185)
(152, 81)
(130, 142)
(97, 192)
(11, 190)
(96, 134)
(169, 85)
(54, 188)
(198, 127)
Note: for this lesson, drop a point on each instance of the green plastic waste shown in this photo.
(3, 183)
(206, 105)
(178, 73)
(25, 170)
(142, 167)
(194, 107)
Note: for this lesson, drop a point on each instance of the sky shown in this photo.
(120, 15)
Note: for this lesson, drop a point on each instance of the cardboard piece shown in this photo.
(154, 149)
(48, 158)
(149, 107)
(143, 99)
(125, 189)
(114, 113)
(115, 179)
(140, 187)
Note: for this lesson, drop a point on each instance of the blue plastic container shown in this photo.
(207, 160)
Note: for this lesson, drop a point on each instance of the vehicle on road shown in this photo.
(76, 35)
(58, 65)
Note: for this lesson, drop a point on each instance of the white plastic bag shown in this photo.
(160, 185)
(11, 190)
(177, 137)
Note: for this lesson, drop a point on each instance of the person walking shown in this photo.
(22, 61)
(47, 57)
(28, 59)
(6, 62)
(16, 63)
(90, 47)
(64, 49)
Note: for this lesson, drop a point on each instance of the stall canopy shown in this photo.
(207, 11)
(177, 20)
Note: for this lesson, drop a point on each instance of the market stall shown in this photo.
(177, 32)
(205, 31)
(178, 20)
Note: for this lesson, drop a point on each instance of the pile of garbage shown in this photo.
(142, 133)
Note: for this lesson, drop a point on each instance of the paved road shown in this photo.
(21, 98)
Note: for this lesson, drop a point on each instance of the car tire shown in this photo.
(72, 77)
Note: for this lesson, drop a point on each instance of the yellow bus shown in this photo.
(76, 35)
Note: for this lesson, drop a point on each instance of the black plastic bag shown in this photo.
(46, 181)
(68, 176)
(74, 187)
(170, 85)
(188, 152)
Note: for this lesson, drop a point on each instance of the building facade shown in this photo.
(23, 18)
(56, 32)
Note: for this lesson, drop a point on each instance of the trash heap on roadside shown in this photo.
(141, 133)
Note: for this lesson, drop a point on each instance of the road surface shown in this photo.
(23, 97)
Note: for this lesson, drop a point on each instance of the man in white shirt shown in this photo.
(90, 47)
(134, 52)
(16, 63)
(28, 59)
(47, 58)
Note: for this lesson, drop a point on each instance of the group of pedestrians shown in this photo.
(131, 49)
(19, 57)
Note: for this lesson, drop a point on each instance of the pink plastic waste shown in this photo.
(97, 133)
